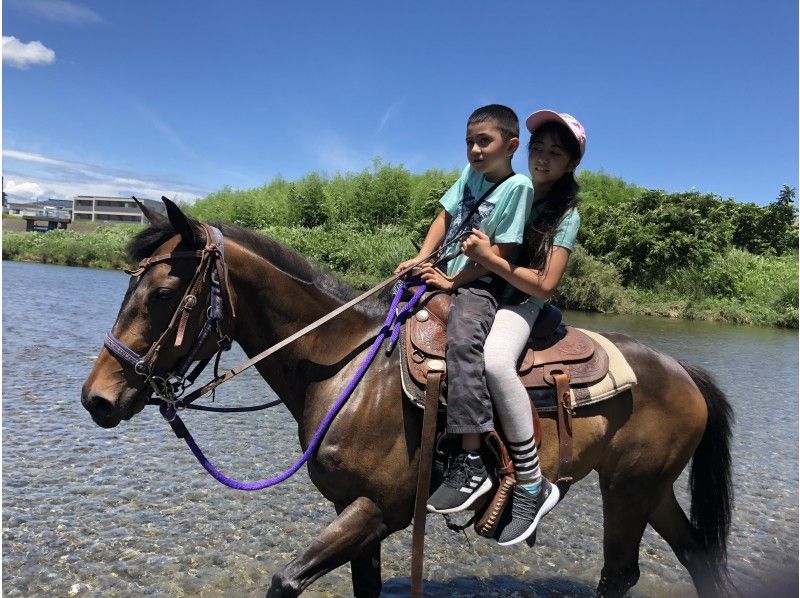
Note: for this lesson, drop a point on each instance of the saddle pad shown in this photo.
(620, 378)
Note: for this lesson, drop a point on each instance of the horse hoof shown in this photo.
(282, 588)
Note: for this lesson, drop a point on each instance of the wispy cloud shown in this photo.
(36, 176)
(390, 112)
(21, 55)
(163, 128)
(176, 140)
(60, 11)
(335, 154)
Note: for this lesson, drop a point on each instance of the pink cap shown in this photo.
(540, 117)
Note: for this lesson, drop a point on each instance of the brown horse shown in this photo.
(638, 442)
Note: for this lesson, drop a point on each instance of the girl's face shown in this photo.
(548, 161)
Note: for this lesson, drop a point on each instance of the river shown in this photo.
(128, 511)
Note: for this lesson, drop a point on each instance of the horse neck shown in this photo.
(271, 305)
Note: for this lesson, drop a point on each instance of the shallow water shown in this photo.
(128, 511)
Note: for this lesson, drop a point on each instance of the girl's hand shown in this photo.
(477, 247)
(435, 278)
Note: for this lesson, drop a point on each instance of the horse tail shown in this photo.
(710, 480)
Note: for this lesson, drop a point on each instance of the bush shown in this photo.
(601, 189)
(102, 248)
(657, 233)
(590, 285)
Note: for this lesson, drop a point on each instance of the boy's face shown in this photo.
(488, 152)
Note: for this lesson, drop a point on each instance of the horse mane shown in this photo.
(145, 243)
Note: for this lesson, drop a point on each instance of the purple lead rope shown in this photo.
(181, 431)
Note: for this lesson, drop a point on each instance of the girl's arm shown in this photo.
(473, 271)
(537, 283)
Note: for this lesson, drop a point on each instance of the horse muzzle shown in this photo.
(107, 412)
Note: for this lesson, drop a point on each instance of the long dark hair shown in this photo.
(561, 197)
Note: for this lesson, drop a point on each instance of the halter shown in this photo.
(169, 386)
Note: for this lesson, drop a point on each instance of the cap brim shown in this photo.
(538, 118)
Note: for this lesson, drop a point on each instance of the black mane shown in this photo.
(145, 243)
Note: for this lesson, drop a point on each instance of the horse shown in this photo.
(639, 441)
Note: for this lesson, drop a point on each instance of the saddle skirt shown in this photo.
(566, 350)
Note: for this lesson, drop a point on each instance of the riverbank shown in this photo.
(753, 289)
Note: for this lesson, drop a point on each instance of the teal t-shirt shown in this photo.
(565, 236)
(501, 216)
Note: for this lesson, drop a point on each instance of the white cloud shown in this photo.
(25, 190)
(60, 11)
(43, 176)
(21, 55)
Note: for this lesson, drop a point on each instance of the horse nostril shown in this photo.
(100, 408)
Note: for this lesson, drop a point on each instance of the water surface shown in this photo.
(128, 511)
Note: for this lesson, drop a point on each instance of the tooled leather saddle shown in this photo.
(552, 348)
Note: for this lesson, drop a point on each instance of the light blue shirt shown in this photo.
(501, 216)
(565, 236)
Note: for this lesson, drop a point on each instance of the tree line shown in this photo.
(685, 254)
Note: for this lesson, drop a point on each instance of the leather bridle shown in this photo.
(168, 386)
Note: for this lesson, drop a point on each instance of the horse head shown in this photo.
(161, 319)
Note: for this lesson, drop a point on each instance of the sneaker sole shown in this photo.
(479, 491)
(548, 505)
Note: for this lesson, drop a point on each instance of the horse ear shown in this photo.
(180, 222)
(152, 216)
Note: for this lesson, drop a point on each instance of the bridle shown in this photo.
(168, 386)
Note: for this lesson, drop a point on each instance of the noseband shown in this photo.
(168, 386)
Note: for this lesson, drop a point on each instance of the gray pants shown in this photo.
(469, 408)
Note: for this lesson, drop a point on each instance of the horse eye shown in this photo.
(164, 294)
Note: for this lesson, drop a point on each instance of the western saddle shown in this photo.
(556, 356)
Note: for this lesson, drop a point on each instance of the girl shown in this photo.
(556, 147)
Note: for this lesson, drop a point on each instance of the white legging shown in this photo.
(508, 336)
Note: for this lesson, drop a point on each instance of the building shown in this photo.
(111, 210)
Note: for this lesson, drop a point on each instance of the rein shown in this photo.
(168, 387)
(394, 319)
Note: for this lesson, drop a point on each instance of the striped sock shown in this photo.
(526, 460)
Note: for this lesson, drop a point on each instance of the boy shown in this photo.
(487, 195)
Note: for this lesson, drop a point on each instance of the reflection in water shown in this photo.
(128, 511)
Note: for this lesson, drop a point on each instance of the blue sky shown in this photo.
(182, 98)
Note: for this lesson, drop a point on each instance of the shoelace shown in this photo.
(523, 504)
(459, 472)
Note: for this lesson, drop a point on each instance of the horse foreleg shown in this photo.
(354, 535)
(366, 571)
(671, 523)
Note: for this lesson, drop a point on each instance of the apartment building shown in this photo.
(111, 210)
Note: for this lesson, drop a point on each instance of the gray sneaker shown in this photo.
(525, 512)
(464, 482)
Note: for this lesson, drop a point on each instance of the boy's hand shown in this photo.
(435, 278)
(408, 264)
(477, 247)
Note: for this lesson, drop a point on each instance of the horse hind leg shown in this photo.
(670, 522)
(355, 536)
(624, 521)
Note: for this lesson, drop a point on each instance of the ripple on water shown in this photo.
(93, 512)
